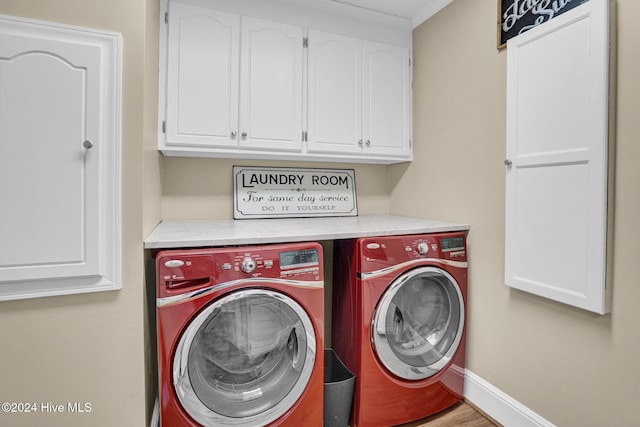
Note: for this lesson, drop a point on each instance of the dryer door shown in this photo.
(245, 359)
(418, 323)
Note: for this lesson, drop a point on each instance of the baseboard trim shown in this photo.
(498, 405)
(493, 402)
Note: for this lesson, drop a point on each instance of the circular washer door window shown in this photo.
(418, 323)
(244, 360)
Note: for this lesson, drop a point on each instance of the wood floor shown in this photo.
(461, 414)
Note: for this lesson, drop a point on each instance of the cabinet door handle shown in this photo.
(233, 133)
(360, 142)
(508, 162)
(244, 134)
(368, 143)
(87, 144)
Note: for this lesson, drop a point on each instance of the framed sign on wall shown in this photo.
(517, 16)
(274, 192)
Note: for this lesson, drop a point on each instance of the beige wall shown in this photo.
(89, 348)
(571, 367)
(202, 188)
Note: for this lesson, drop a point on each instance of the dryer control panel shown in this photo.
(382, 252)
(179, 270)
(440, 246)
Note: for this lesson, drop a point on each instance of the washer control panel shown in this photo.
(178, 270)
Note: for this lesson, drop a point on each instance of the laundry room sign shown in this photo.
(267, 192)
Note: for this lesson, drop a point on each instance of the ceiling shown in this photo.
(417, 11)
(413, 11)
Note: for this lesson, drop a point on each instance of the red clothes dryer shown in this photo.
(240, 336)
(399, 324)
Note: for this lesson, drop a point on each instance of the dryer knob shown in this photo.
(423, 248)
(248, 265)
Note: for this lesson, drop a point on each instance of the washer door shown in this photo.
(244, 360)
(418, 323)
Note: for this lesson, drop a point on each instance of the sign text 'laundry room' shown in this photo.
(264, 192)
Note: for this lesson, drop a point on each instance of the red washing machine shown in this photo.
(399, 324)
(240, 336)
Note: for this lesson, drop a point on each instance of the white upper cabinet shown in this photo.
(359, 97)
(387, 100)
(271, 86)
(236, 84)
(232, 82)
(59, 159)
(202, 78)
(335, 93)
(557, 158)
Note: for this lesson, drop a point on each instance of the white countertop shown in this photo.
(199, 233)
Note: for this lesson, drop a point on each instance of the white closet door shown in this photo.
(556, 167)
(59, 159)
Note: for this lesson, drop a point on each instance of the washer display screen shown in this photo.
(299, 258)
(452, 243)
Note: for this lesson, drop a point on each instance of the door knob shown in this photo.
(508, 162)
(87, 144)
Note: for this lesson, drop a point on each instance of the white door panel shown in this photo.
(557, 146)
(552, 99)
(59, 159)
(335, 93)
(551, 252)
(387, 101)
(45, 164)
(202, 76)
(271, 85)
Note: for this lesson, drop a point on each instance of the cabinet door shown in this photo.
(271, 85)
(59, 159)
(387, 100)
(335, 93)
(202, 77)
(556, 176)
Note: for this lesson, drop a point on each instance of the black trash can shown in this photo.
(338, 390)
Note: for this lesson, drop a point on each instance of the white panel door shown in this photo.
(202, 77)
(335, 93)
(387, 100)
(59, 159)
(271, 85)
(557, 144)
